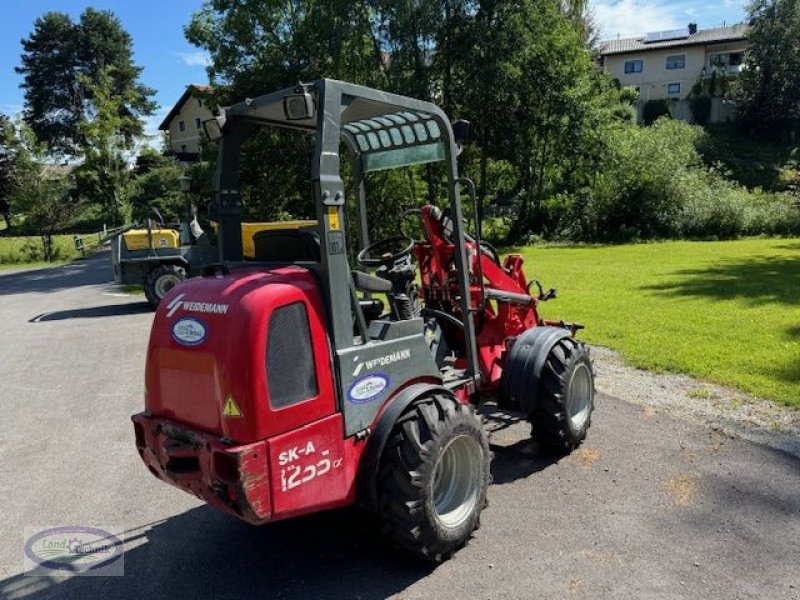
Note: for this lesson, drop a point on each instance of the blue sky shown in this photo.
(170, 62)
(628, 18)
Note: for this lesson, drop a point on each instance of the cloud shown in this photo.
(630, 18)
(194, 59)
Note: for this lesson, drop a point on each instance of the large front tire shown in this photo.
(160, 281)
(433, 478)
(566, 397)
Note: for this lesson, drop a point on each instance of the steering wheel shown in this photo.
(391, 253)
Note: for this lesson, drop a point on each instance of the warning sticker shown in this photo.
(231, 409)
(333, 218)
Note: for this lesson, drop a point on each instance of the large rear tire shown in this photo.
(160, 281)
(433, 478)
(563, 413)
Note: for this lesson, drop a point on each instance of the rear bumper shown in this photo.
(234, 479)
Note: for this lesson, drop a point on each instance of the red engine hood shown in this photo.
(205, 361)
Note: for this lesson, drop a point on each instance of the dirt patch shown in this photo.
(683, 489)
(722, 409)
(603, 557)
(585, 457)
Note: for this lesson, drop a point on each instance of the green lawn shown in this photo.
(26, 251)
(726, 312)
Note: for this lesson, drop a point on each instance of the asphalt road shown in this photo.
(650, 507)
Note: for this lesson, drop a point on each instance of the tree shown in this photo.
(518, 69)
(104, 174)
(61, 59)
(48, 197)
(768, 90)
(9, 173)
(157, 185)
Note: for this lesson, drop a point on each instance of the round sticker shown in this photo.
(189, 331)
(367, 388)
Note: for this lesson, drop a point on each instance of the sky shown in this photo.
(629, 18)
(170, 62)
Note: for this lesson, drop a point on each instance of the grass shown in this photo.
(24, 251)
(725, 312)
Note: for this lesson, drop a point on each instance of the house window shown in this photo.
(197, 123)
(633, 66)
(181, 126)
(724, 59)
(183, 148)
(676, 61)
(291, 374)
(200, 102)
(673, 89)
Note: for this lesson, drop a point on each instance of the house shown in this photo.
(184, 123)
(668, 64)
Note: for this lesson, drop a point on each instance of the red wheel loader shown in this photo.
(286, 385)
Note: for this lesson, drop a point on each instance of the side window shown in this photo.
(291, 376)
(181, 126)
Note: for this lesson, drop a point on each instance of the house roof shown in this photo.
(192, 90)
(703, 37)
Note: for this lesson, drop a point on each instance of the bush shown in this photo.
(655, 185)
(701, 109)
(654, 110)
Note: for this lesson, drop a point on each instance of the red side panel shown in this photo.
(308, 468)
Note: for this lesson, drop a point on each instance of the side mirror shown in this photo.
(299, 107)
(213, 128)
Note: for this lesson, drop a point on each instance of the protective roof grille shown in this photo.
(394, 131)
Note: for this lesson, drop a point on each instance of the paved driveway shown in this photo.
(650, 507)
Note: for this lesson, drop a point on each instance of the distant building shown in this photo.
(184, 123)
(667, 64)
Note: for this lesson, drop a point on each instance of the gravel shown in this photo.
(723, 409)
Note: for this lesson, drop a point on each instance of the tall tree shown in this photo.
(768, 90)
(60, 60)
(104, 174)
(9, 170)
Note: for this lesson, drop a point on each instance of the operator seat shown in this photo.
(298, 245)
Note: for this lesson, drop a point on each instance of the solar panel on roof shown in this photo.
(665, 36)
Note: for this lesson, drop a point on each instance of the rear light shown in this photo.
(226, 466)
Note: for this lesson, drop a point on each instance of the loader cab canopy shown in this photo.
(380, 131)
(385, 135)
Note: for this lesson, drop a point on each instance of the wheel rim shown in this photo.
(457, 480)
(165, 283)
(579, 396)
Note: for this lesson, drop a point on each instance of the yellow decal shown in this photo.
(333, 218)
(231, 409)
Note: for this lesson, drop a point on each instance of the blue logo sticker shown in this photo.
(189, 331)
(368, 388)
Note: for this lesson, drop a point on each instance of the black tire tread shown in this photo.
(549, 419)
(152, 277)
(409, 456)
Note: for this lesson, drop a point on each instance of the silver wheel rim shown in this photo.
(165, 283)
(579, 396)
(456, 481)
